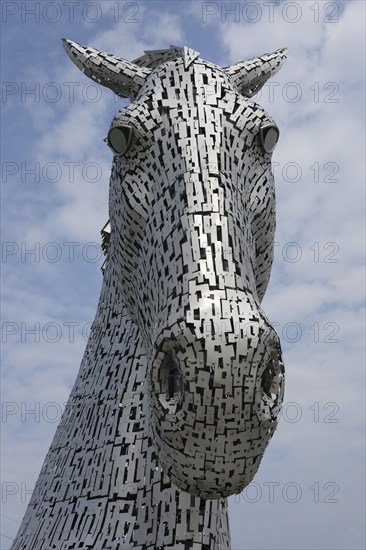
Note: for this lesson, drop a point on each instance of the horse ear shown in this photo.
(118, 74)
(249, 76)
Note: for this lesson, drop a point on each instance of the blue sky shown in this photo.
(309, 492)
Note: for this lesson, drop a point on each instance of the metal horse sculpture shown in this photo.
(182, 379)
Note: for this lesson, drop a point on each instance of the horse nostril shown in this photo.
(267, 378)
(272, 386)
(169, 382)
(175, 382)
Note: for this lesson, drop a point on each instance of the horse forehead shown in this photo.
(173, 74)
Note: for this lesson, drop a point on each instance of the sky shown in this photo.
(309, 491)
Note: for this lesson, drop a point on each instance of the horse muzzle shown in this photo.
(215, 397)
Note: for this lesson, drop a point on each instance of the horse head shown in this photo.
(192, 213)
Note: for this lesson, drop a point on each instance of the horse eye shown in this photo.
(119, 139)
(268, 137)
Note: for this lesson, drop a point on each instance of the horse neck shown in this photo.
(101, 475)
